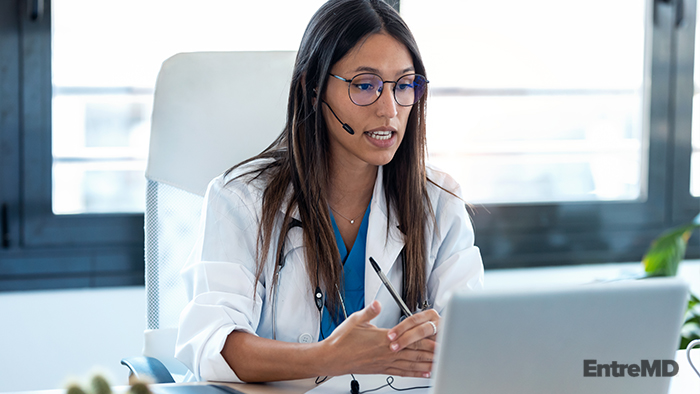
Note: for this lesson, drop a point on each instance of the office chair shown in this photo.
(211, 110)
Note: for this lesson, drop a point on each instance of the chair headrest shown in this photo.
(212, 110)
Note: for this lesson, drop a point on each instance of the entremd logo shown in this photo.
(657, 368)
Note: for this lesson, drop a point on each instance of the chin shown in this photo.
(381, 160)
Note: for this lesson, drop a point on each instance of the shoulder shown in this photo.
(241, 186)
(441, 186)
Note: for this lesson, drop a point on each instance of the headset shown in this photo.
(318, 299)
(318, 294)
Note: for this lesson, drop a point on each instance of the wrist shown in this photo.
(323, 359)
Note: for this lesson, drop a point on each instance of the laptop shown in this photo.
(617, 337)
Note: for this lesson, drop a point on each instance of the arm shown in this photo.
(354, 347)
(220, 282)
(217, 338)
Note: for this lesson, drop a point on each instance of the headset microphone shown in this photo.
(346, 126)
(354, 386)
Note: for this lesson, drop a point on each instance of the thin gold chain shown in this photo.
(352, 221)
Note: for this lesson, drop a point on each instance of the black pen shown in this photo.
(389, 287)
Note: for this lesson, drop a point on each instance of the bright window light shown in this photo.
(106, 57)
(536, 101)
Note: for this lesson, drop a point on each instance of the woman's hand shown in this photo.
(415, 332)
(356, 346)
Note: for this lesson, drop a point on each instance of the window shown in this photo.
(102, 97)
(695, 158)
(558, 121)
(77, 84)
(587, 162)
(531, 104)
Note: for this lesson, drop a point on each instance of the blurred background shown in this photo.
(573, 128)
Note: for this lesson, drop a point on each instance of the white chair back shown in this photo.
(211, 110)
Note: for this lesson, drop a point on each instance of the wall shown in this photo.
(48, 336)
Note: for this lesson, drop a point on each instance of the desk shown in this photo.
(685, 382)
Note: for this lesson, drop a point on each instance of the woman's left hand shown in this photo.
(417, 332)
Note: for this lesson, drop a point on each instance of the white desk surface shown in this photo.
(685, 382)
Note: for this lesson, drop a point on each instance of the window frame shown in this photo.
(685, 206)
(567, 233)
(45, 250)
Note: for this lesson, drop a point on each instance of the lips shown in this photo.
(380, 135)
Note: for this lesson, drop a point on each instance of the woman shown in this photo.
(281, 284)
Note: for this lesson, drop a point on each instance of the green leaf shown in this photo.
(668, 250)
(692, 301)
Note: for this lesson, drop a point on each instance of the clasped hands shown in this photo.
(407, 349)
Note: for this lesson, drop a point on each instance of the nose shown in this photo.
(386, 104)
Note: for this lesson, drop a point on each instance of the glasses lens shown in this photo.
(409, 89)
(365, 89)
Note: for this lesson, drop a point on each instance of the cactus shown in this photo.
(99, 385)
(75, 389)
(139, 388)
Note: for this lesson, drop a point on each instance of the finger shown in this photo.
(418, 356)
(412, 321)
(407, 374)
(420, 367)
(368, 313)
(426, 345)
(422, 331)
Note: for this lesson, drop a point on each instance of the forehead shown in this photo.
(380, 53)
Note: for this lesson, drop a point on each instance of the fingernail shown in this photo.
(426, 375)
(394, 346)
(392, 336)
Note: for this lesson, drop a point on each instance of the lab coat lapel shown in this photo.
(295, 236)
(383, 249)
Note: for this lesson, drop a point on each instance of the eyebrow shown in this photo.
(375, 71)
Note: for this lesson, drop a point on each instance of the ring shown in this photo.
(434, 327)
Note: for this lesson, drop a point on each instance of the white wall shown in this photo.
(47, 337)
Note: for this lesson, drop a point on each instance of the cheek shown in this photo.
(403, 116)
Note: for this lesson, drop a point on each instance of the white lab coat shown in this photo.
(220, 272)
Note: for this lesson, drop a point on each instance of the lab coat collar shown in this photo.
(383, 246)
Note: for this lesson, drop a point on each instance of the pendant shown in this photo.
(352, 221)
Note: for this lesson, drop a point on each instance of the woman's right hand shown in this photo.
(357, 346)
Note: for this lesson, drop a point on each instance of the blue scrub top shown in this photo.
(354, 276)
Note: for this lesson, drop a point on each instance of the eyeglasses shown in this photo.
(365, 89)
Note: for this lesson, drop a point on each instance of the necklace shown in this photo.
(352, 221)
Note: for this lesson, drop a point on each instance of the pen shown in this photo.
(389, 287)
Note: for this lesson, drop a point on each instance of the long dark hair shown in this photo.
(300, 155)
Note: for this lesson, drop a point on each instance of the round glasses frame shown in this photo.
(380, 88)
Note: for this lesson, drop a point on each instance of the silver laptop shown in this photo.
(617, 337)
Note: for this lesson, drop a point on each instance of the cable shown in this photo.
(688, 348)
(354, 385)
(321, 379)
(389, 381)
(378, 388)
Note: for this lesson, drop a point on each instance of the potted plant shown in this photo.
(662, 259)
